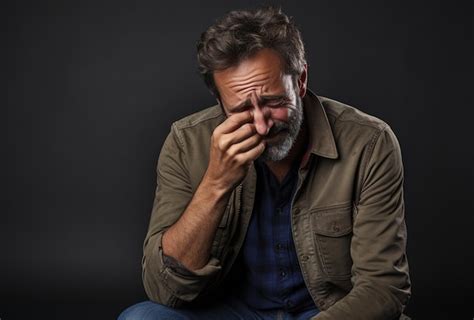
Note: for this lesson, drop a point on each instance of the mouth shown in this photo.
(274, 135)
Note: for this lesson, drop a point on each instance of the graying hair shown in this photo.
(241, 33)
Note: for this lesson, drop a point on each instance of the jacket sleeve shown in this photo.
(381, 283)
(163, 282)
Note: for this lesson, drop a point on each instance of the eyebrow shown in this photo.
(263, 98)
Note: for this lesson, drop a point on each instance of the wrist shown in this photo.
(215, 187)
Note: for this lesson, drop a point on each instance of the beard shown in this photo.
(279, 149)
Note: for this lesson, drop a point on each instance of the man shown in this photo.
(275, 202)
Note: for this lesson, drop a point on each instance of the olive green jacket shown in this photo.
(347, 216)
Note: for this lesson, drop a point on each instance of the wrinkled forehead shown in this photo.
(260, 74)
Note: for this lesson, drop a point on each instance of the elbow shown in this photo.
(157, 291)
(396, 297)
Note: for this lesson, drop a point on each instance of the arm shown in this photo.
(378, 248)
(183, 222)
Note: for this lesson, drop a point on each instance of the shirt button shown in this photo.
(279, 247)
(289, 304)
(283, 273)
(279, 211)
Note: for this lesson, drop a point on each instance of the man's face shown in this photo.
(259, 84)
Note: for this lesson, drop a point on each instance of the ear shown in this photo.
(303, 81)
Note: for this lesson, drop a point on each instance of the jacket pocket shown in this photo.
(332, 231)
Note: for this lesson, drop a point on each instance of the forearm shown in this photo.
(163, 282)
(184, 219)
(190, 239)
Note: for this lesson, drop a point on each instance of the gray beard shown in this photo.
(280, 149)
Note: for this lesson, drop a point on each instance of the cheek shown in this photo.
(280, 114)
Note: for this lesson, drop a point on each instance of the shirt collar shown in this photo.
(321, 138)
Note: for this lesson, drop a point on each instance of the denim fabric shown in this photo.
(230, 309)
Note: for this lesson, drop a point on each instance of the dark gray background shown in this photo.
(92, 88)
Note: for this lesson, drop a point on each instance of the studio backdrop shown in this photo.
(92, 88)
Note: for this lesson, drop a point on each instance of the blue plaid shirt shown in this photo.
(273, 278)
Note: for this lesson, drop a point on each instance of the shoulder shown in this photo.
(204, 117)
(354, 130)
(198, 126)
(341, 114)
(188, 143)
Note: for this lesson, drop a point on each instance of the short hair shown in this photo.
(241, 33)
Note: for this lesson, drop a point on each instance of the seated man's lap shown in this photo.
(230, 309)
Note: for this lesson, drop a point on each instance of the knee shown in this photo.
(148, 310)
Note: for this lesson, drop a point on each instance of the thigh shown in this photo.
(305, 315)
(149, 310)
(230, 309)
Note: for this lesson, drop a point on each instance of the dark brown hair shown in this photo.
(241, 33)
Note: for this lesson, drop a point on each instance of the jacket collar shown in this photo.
(321, 138)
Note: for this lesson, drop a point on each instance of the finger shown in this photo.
(235, 121)
(252, 154)
(239, 135)
(245, 145)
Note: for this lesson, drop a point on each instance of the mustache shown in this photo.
(277, 127)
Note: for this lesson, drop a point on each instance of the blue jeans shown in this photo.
(229, 309)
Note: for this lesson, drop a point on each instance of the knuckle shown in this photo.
(231, 152)
(232, 120)
(221, 144)
(217, 130)
(239, 159)
(215, 138)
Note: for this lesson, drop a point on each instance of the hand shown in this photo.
(235, 144)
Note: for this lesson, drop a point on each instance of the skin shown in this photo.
(260, 86)
(255, 95)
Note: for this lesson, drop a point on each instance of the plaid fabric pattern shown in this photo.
(273, 279)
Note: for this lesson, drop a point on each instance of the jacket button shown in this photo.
(304, 258)
(296, 210)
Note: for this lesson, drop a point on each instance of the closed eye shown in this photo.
(276, 103)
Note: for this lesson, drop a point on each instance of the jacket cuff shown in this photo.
(167, 282)
(177, 266)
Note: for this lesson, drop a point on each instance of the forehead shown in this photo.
(261, 73)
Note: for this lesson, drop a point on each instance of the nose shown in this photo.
(261, 118)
